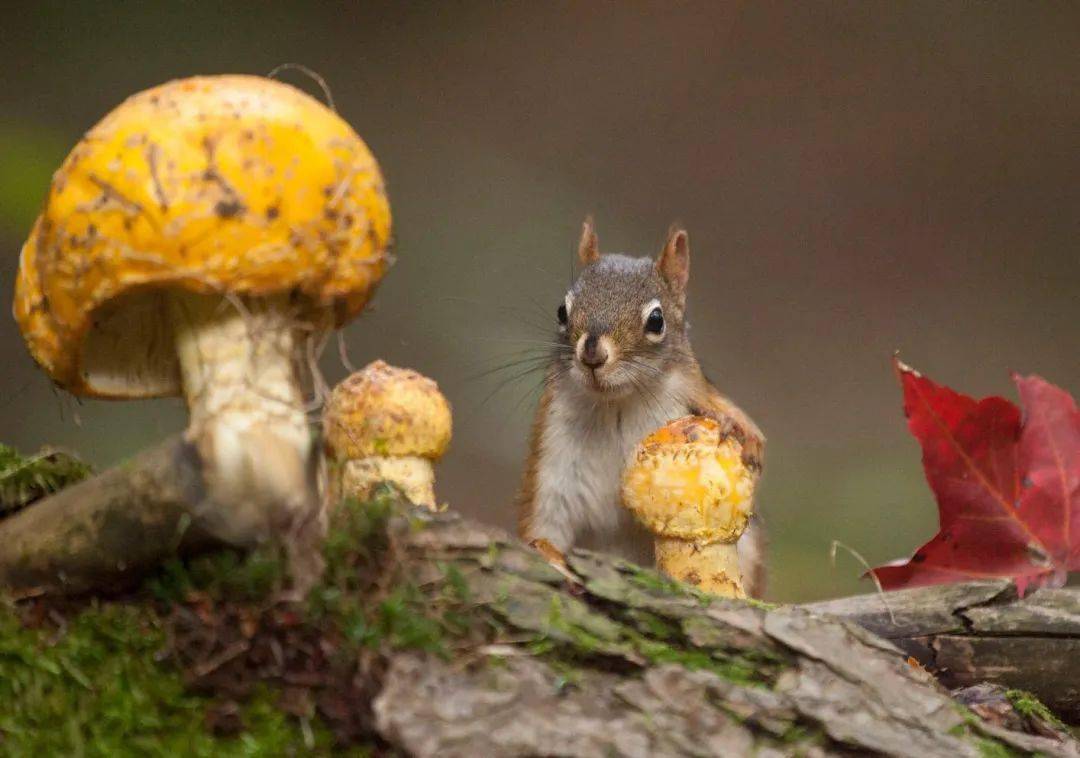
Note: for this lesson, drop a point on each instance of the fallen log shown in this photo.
(603, 657)
(982, 632)
(633, 664)
(109, 530)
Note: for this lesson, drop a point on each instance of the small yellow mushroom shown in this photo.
(386, 424)
(687, 484)
(189, 244)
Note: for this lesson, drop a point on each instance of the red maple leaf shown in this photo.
(1007, 489)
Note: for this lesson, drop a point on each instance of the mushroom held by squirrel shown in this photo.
(194, 243)
(688, 485)
(386, 424)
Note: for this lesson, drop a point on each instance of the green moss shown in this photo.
(226, 574)
(358, 535)
(761, 604)
(98, 685)
(798, 739)
(654, 581)
(733, 668)
(24, 479)
(651, 625)
(457, 589)
(971, 730)
(400, 622)
(1027, 704)
(403, 618)
(96, 688)
(572, 631)
(991, 749)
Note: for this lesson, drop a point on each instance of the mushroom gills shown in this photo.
(129, 351)
(241, 378)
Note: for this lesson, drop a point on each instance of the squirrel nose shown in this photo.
(592, 354)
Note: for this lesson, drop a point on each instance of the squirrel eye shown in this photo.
(561, 315)
(654, 324)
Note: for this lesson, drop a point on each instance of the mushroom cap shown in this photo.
(687, 481)
(221, 184)
(383, 410)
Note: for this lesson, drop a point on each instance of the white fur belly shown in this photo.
(583, 451)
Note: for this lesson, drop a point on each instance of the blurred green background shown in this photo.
(857, 178)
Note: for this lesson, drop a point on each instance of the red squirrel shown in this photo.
(623, 367)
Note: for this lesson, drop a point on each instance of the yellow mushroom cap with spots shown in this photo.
(383, 410)
(234, 185)
(687, 481)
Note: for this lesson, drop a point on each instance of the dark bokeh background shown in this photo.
(856, 177)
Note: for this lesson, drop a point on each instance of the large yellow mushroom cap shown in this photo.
(383, 410)
(687, 481)
(221, 184)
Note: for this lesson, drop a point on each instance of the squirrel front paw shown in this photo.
(551, 554)
(753, 453)
(753, 446)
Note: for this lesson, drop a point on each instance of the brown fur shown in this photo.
(526, 497)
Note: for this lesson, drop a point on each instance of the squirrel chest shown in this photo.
(584, 445)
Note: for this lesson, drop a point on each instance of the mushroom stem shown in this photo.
(713, 568)
(413, 475)
(248, 422)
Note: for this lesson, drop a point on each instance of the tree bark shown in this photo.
(981, 632)
(607, 658)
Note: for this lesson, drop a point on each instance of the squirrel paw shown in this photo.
(557, 560)
(753, 447)
(753, 453)
(551, 554)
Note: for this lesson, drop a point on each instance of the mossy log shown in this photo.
(106, 532)
(110, 529)
(982, 632)
(486, 649)
(612, 659)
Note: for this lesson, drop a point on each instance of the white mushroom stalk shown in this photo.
(413, 475)
(241, 380)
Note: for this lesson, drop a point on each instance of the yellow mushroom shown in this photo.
(687, 484)
(386, 424)
(189, 244)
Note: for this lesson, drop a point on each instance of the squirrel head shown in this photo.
(622, 323)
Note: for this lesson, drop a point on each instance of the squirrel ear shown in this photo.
(674, 261)
(588, 249)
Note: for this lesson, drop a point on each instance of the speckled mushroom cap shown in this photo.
(387, 411)
(220, 184)
(686, 481)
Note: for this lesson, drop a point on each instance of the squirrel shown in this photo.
(622, 367)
